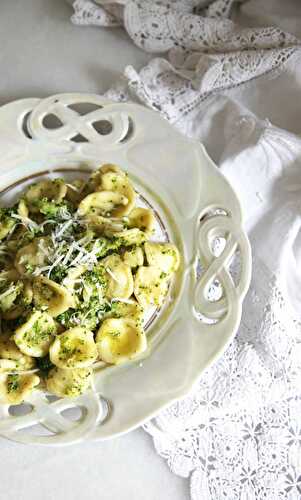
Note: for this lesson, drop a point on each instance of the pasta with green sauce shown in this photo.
(78, 270)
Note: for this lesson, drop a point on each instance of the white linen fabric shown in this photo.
(237, 435)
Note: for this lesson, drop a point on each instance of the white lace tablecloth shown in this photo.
(238, 434)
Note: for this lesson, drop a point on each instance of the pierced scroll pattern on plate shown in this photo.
(49, 420)
(102, 126)
(222, 276)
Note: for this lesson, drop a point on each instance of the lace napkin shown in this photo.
(237, 435)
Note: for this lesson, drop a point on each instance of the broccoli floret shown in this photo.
(88, 314)
(58, 274)
(8, 211)
(105, 246)
(48, 208)
(54, 210)
(96, 277)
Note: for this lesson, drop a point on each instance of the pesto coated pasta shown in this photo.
(78, 271)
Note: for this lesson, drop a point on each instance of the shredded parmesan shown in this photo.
(77, 259)
(75, 319)
(84, 241)
(68, 254)
(126, 301)
(64, 228)
(26, 221)
(48, 221)
(108, 270)
(10, 290)
(73, 187)
(44, 250)
(59, 259)
(40, 270)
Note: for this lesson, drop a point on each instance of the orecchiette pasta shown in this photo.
(68, 383)
(104, 225)
(94, 182)
(143, 218)
(78, 275)
(15, 298)
(130, 237)
(22, 209)
(119, 340)
(74, 348)
(7, 223)
(48, 295)
(10, 351)
(129, 309)
(118, 183)
(31, 256)
(8, 365)
(101, 202)
(150, 286)
(165, 256)
(119, 276)
(111, 178)
(16, 303)
(16, 387)
(75, 191)
(9, 289)
(134, 257)
(51, 190)
(108, 167)
(8, 297)
(35, 335)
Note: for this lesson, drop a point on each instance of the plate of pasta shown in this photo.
(123, 267)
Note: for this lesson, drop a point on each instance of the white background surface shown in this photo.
(42, 53)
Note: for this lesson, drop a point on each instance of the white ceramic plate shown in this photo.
(196, 209)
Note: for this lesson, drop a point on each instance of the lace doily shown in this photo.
(238, 434)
